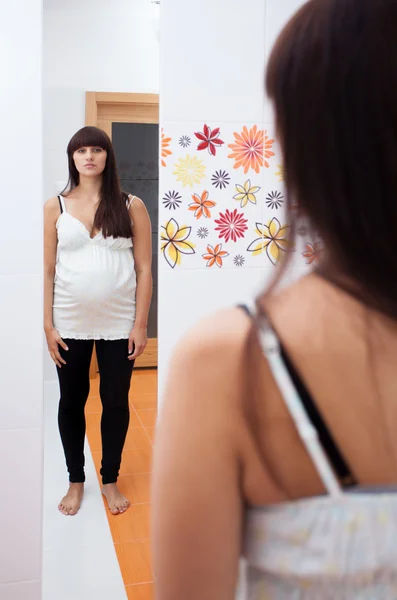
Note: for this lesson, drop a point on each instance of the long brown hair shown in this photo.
(112, 216)
(332, 76)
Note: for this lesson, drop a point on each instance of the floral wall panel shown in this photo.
(212, 195)
(307, 248)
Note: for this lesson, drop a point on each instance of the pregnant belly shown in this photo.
(93, 289)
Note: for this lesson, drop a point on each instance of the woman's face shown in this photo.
(90, 161)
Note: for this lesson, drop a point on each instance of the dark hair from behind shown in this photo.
(112, 216)
(332, 76)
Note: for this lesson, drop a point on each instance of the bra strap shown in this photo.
(62, 204)
(130, 201)
(308, 434)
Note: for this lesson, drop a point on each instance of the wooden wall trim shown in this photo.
(91, 109)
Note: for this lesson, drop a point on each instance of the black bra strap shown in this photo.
(328, 443)
(60, 204)
(245, 308)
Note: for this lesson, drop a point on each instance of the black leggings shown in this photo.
(115, 372)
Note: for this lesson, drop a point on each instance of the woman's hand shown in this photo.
(137, 342)
(54, 340)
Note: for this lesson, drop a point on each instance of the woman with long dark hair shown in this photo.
(277, 435)
(98, 287)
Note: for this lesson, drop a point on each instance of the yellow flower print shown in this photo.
(280, 173)
(189, 170)
(246, 193)
(173, 242)
(332, 569)
(261, 591)
(300, 536)
(354, 523)
(273, 239)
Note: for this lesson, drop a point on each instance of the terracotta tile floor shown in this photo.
(130, 531)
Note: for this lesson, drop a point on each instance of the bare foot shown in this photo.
(117, 503)
(71, 503)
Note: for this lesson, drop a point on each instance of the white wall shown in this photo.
(109, 46)
(21, 349)
(213, 58)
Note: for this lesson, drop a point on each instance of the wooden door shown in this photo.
(108, 111)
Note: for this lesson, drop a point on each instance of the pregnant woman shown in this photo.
(97, 289)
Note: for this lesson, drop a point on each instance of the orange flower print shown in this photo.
(313, 253)
(202, 205)
(215, 256)
(251, 149)
(165, 151)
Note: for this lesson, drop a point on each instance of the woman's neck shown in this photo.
(89, 187)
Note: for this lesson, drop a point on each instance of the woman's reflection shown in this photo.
(98, 286)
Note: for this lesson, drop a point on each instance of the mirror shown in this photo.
(101, 69)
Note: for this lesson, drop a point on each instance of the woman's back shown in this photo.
(345, 355)
(233, 475)
(342, 544)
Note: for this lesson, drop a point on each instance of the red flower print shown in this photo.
(232, 225)
(209, 139)
(215, 256)
(313, 253)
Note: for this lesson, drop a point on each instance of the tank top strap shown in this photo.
(307, 432)
(62, 204)
(130, 200)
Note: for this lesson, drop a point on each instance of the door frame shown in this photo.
(98, 106)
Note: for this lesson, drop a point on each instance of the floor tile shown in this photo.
(128, 533)
(132, 525)
(147, 416)
(137, 438)
(136, 461)
(94, 386)
(144, 382)
(134, 560)
(93, 429)
(147, 543)
(31, 590)
(141, 400)
(136, 487)
(93, 405)
(91, 572)
(151, 433)
(143, 591)
(81, 545)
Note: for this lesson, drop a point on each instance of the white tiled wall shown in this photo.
(111, 46)
(212, 71)
(21, 349)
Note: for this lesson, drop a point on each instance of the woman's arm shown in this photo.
(51, 214)
(197, 505)
(142, 239)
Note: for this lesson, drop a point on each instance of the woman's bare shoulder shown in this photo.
(51, 208)
(135, 203)
(215, 341)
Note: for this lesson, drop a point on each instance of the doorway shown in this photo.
(132, 123)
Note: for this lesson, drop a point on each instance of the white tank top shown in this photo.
(95, 282)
